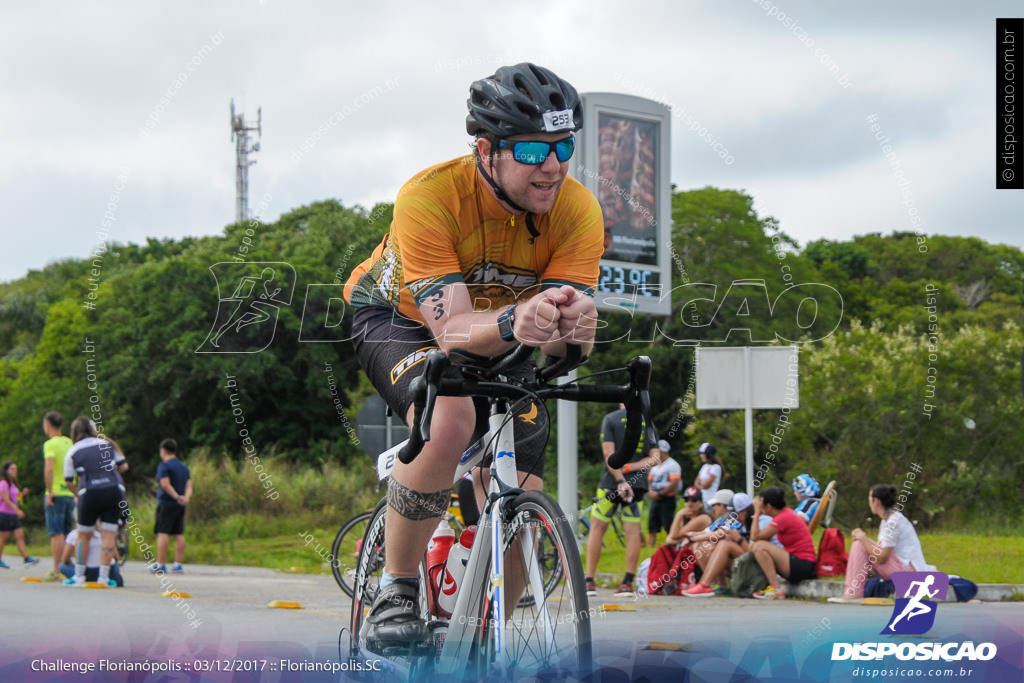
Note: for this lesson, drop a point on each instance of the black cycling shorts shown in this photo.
(103, 504)
(391, 349)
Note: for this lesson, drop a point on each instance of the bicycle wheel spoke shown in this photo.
(549, 628)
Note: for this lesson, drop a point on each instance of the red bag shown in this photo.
(670, 571)
(832, 555)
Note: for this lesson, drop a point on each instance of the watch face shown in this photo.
(506, 323)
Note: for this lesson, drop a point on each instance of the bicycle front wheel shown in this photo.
(369, 568)
(345, 550)
(549, 634)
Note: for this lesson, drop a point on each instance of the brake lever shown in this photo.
(436, 363)
(424, 392)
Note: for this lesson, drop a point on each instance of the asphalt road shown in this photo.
(714, 639)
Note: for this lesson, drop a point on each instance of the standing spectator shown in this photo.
(795, 559)
(11, 515)
(172, 495)
(808, 494)
(60, 501)
(621, 487)
(898, 548)
(663, 480)
(711, 473)
(98, 466)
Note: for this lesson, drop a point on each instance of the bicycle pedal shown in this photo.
(393, 650)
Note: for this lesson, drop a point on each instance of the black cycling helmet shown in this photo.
(514, 100)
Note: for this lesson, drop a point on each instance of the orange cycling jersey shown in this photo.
(448, 228)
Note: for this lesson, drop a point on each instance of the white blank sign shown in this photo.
(774, 375)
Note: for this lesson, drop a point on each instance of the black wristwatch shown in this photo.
(506, 321)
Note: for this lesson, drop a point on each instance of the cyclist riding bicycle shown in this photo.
(485, 251)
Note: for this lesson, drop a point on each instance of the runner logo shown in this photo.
(247, 317)
(914, 613)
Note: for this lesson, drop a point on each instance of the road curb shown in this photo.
(819, 588)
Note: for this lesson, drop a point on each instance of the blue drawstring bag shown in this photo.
(965, 589)
(879, 588)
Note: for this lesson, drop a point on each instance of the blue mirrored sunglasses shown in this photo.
(534, 152)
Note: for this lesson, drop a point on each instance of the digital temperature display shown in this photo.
(617, 280)
(622, 157)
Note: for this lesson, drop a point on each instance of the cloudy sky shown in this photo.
(91, 91)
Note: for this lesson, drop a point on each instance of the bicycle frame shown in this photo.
(475, 615)
(485, 555)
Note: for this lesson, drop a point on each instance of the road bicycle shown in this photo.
(583, 523)
(507, 621)
(348, 541)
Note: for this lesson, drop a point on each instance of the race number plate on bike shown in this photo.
(471, 457)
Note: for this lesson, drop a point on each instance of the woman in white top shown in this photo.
(709, 479)
(898, 549)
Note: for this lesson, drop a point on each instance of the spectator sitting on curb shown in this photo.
(808, 496)
(92, 563)
(693, 517)
(663, 480)
(795, 559)
(705, 541)
(718, 567)
(898, 548)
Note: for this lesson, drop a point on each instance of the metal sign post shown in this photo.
(748, 378)
(622, 156)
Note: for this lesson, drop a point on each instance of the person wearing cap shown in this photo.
(795, 559)
(808, 493)
(704, 541)
(662, 482)
(693, 517)
(733, 541)
(711, 473)
(485, 252)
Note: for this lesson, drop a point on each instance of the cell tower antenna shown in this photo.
(240, 135)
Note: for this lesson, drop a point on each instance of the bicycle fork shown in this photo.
(486, 558)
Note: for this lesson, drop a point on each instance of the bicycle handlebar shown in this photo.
(428, 386)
